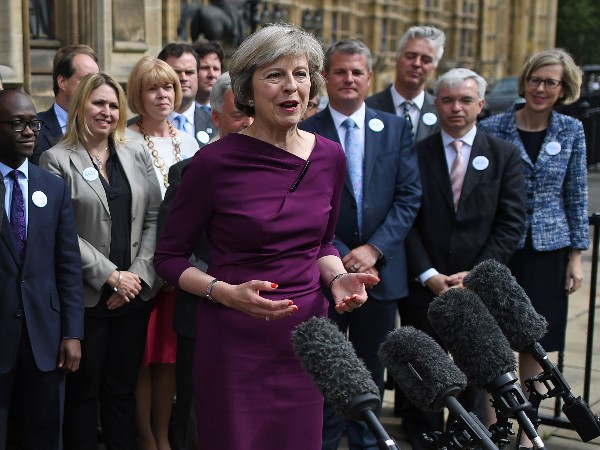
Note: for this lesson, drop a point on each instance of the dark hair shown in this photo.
(205, 47)
(177, 49)
(63, 62)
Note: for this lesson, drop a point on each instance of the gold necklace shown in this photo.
(158, 161)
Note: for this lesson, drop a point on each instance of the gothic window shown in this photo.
(41, 23)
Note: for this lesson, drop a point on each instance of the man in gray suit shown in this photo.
(419, 52)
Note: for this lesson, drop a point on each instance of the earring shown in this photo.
(251, 103)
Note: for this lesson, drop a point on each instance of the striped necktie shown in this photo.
(406, 108)
(457, 172)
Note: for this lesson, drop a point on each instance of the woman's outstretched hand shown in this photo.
(349, 290)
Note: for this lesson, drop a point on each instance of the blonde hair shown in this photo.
(150, 71)
(571, 77)
(77, 128)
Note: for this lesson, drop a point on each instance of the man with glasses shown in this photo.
(41, 312)
(312, 107)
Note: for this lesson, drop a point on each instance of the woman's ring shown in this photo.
(355, 267)
(267, 318)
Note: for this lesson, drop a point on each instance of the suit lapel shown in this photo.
(473, 177)
(81, 161)
(35, 221)
(554, 130)
(127, 160)
(372, 148)
(7, 236)
(435, 159)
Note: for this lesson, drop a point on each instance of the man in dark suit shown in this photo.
(210, 65)
(378, 206)
(190, 117)
(71, 64)
(419, 52)
(472, 209)
(41, 312)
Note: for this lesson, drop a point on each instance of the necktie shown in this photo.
(353, 149)
(17, 214)
(406, 108)
(457, 172)
(206, 108)
(181, 121)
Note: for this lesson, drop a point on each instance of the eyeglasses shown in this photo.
(311, 105)
(19, 125)
(548, 82)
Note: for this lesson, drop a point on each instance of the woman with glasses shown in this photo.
(548, 262)
(116, 198)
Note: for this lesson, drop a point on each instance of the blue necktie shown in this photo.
(354, 157)
(180, 122)
(17, 215)
(206, 108)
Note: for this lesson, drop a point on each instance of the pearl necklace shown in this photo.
(159, 163)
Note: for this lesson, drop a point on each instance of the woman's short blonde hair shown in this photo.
(266, 46)
(571, 77)
(150, 71)
(77, 128)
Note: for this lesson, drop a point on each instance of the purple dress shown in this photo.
(251, 390)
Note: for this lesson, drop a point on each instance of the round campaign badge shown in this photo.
(203, 137)
(39, 199)
(429, 119)
(553, 148)
(376, 125)
(480, 163)
(90, 174)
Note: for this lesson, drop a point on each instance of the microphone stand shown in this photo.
(509, 401)
(585, 422)
(361, 408)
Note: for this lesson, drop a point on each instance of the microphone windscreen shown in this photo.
(422, 369)
(331, 361)
(507, 302)
(471, 335)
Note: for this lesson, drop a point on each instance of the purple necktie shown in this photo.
(17, 215)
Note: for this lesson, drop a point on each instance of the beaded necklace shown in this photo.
(158, 161)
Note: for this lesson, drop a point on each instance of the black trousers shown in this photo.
(111, 356)
(35, 400)
(185, 428)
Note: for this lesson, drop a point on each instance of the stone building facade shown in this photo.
(490, 36)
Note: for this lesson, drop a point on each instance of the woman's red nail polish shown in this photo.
(294, 308)
(274, 285)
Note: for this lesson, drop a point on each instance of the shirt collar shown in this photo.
(188, 113)
(467, 138)
(61, 115)
(398, 99)
(23, 168)
(358, 116)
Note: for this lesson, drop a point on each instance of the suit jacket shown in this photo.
(184, 317)
(391, 196)
(490, 215)
(47, 288)
(92, 214)
(556, 184)
(383, 101)
(49, 135)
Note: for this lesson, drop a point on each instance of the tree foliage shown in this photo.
(577, 29)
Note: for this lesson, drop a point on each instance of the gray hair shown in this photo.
(434, 36)
(348, 47)
(217, 93)
(266, 46)
(455, 77)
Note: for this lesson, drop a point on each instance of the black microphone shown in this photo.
(340, 374)
(523, 327)
(430, 380)
(482, 352)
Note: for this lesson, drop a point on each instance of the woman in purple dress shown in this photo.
(267, 198)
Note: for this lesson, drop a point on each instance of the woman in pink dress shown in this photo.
(268, 199)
